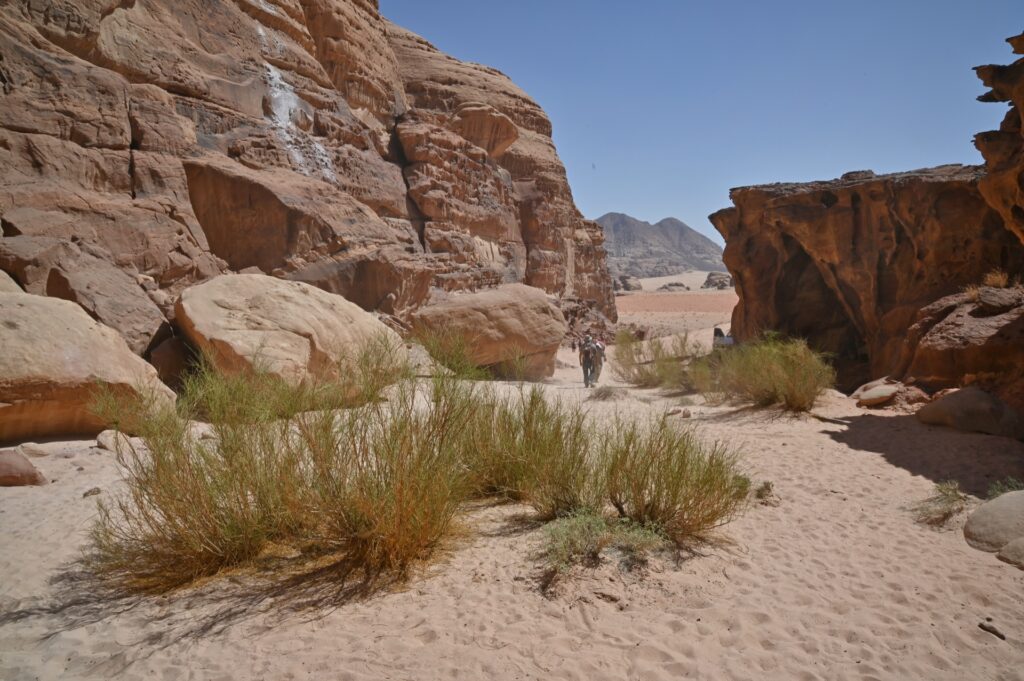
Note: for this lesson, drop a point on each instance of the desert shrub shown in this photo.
(1001, 487)
(554, 448)
(997, 278)
(766, 372)
(195, 506)
(654, 363)
(663, 477)
(946, 502)
(380, 481)
(396, 480)
(579, 539)
(972, 291)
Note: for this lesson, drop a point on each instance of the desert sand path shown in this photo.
(834, 582)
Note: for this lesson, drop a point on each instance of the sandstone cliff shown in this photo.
(148, 145)
(847, 264)
(640, 249)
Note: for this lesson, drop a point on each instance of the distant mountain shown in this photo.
(667, 247)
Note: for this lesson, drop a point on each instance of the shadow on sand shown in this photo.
(974, 460)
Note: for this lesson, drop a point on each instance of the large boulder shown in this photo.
(54, 360)
(974, 410)
(996, 523)
(17, 471)
(287, 328)
(511, 323)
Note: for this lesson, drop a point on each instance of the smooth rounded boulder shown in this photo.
(1013, 553)
(973, 410)
(54, 360)
(17, 471)
(513, 323)
(247, 322)
(996, 523)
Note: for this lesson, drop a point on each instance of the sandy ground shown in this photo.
(664, 312)
(836, 581)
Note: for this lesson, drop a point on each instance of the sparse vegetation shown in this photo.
(451, 349)
(1001, 487)
(764, 491)
(766, 372)
(946, 502)
(579, 539)
(605, 393)
(654, 363)
(375, 475)
(664, 477)
(997, 278)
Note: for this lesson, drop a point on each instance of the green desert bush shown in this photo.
(769, 371)
(1001, 487)
(579, 539)
(663, 477)
(652, 364)
(946, 502)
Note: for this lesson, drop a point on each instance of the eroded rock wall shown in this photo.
(848, 264)
(148, 145)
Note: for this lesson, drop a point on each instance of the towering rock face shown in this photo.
(640, 249)
(848, 264)
(148, 145)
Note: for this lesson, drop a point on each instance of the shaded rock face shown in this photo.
(640, 249)
(848, 264)
(150, 145)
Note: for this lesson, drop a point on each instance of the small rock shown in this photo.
(985, 626)
(32, 450)
(673, 411)
(113, 441)
(878, 395)
(686, 414)
(92, 492)
(16, 470)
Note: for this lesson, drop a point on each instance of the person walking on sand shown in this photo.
(598, 360)
(588, 358)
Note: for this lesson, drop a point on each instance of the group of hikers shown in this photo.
(592, 353)
(591, 358)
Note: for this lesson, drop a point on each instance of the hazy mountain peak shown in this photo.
(669, 246)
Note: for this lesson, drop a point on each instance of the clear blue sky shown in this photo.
(660, 106)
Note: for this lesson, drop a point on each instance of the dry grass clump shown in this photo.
(654, 363)
(667, 478)
(997, 278)
(580, 538)
(946, 502)
(375, 481)
(336, 469)
(766, 372)
(605, 393)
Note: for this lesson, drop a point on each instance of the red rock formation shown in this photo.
(146, 146)
(848, 264)
(1003, 149)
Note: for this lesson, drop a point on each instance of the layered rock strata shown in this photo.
(150, 145)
